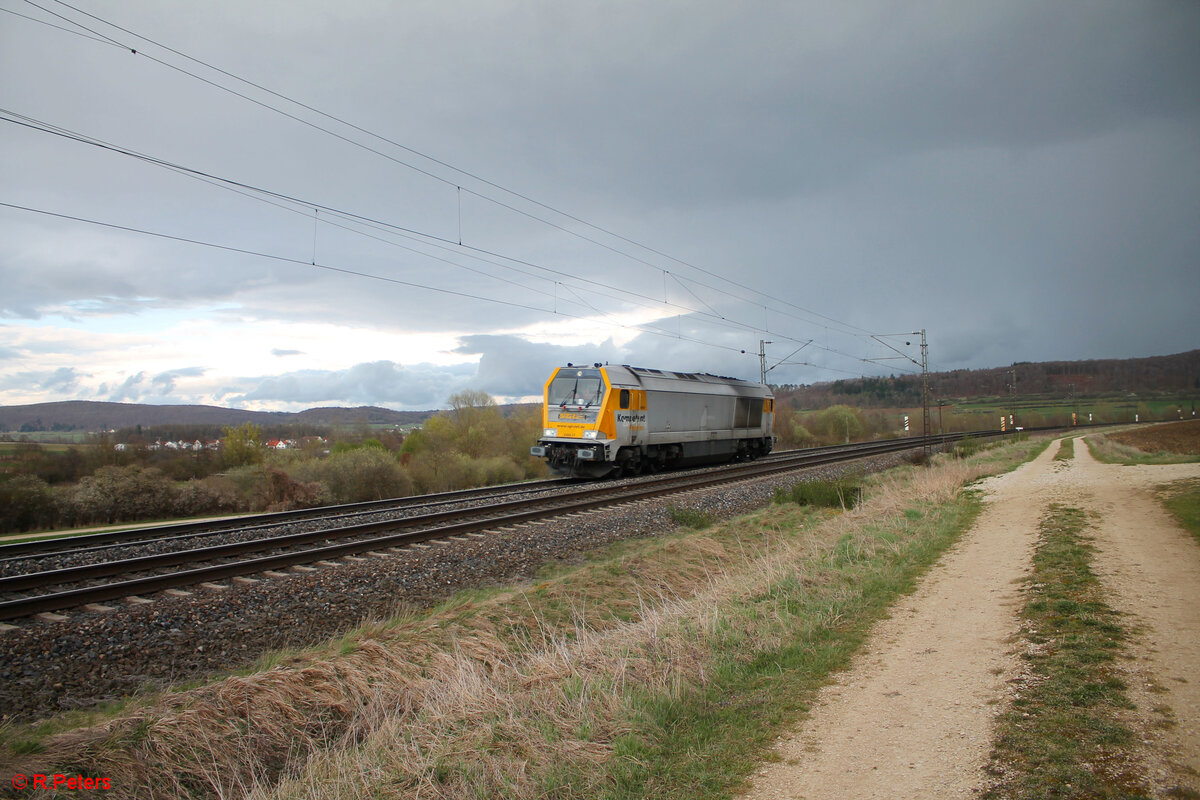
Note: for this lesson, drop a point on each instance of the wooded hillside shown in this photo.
(83, 415)
(1178, 373)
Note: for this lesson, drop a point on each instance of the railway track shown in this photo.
(204, 528)
(343, 533)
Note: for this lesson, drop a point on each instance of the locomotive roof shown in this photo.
(687, 376)
(637, 374)
(648, 376)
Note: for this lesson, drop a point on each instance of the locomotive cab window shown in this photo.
(583, 387)
(624, 399)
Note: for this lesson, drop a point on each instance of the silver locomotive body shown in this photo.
(601, 421)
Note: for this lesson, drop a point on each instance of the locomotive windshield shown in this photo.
(576, 387)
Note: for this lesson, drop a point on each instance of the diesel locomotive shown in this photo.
(604, 421)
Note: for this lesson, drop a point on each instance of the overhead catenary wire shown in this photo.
(784, 360)
(645, 328)
(59, 27)
(343, 270)
(433, 160)
(305, 206)
(281, 201)
(441, 242)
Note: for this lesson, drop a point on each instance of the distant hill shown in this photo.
(1177, 374)
(86, 415)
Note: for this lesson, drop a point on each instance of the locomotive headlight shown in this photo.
(551, 432)
(591, 434)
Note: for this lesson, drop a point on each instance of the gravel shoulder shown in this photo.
(914, 716)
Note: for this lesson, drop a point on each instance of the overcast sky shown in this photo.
(387, 202)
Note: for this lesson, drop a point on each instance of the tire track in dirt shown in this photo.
(1150, 568)
(915, 714)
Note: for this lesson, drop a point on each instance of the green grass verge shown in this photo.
(841, 493)
(1063, 736)
(1066, 451)
(702, 742)
(690, 517)
(1182, 499)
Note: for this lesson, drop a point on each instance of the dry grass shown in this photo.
(520, 717)
(1110, 451)
(522, 694)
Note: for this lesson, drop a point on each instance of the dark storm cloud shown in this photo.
(704, 103)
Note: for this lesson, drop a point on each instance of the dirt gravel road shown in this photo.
(914, 716)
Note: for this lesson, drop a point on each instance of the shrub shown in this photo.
(493, 470)
(800, 435)
(841, 493)
(114, 494)
(435, 470)
(357, 475)
(967, 446)
(27, 503)
(215, 494)
(690, 517)
(286, 493)
(918, 458)
(838, 423)
(251, 484)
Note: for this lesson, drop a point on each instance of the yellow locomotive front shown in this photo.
(577, 435)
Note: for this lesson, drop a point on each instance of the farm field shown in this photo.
(1182, 438)
(1040, 410)
(53, 447)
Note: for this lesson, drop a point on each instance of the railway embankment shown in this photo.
(52, 667)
